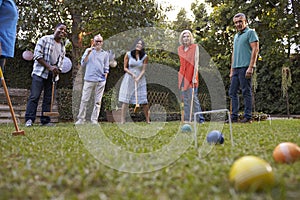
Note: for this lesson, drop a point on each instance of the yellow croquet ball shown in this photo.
(251, 173)
(286, 152)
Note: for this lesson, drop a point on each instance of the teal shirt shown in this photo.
(242, 49)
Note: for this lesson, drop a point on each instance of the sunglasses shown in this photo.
(98, 40)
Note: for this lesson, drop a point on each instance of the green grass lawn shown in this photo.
(67, 162)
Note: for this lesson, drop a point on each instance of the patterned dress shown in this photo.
(127, 89)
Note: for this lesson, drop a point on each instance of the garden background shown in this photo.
(54, 163)
(277, 82)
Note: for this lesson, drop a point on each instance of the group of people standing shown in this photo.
(50, 51)
(133, 89)
(48, 57)
(243, 63)
(96, 61)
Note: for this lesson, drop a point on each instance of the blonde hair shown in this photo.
(181, 36)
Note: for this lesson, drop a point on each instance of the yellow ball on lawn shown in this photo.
(251, 173)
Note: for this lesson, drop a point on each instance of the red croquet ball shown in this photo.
(286, 152)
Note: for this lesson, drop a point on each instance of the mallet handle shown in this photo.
(8, 100)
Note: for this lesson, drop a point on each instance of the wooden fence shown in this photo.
(19, 100)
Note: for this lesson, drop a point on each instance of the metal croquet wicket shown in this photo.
(207, 112)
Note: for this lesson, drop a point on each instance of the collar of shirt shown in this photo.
(244, 31)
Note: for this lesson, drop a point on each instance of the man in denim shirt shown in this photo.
(96, 62)
(48, 58)
(245, 51)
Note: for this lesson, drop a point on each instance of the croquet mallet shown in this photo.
(182, 104)
(137, 105)
(192, 103)
(51, 113)
(18, 131)
(195, 75)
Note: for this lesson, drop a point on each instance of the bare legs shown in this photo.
(125, 109)
(123, 112)
(146, 112)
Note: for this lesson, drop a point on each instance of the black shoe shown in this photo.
(245, 120)
(232, 121)
(48, 124)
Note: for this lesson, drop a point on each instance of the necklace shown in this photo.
(186, 48)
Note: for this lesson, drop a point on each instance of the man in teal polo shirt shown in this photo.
(243, 62)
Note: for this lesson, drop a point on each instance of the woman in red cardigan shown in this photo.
(188, 81)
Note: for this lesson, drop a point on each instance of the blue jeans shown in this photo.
(238, 80)
(38, 85)
(2, 63)
(187, 98)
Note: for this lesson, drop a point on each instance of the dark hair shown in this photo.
(142, 51)
(59, 24)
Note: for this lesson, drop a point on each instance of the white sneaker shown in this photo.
(79, 122)
(94, 122)
(28, 123)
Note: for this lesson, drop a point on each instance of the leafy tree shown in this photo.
(182, 22)
(201, 22)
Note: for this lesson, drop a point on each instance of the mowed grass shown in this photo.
(65, 162)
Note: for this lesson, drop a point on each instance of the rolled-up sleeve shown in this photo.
(106, 64)
(38, 50)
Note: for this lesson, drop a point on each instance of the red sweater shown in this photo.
(187, 63)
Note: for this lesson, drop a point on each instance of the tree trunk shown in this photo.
(287, 105)
(76, 42)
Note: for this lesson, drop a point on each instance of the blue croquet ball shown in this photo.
(186, 128)
(215, 137)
